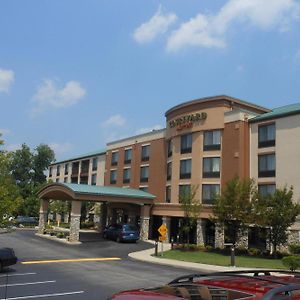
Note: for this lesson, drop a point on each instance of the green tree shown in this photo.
(277, 212)
(191, 207)
(233, 208)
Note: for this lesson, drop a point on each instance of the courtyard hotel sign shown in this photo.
(187, 121)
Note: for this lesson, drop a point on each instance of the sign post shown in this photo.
(162, 230)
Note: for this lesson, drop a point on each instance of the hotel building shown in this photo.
(206, 142)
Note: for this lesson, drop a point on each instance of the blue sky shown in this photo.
(77, 74)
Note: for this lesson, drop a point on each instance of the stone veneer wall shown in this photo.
(144, 233)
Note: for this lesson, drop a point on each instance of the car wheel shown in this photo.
(118, 240)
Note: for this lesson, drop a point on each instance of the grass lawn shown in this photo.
(223, 260)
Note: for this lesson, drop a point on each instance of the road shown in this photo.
(39, 275)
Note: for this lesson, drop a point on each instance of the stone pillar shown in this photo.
(219, 236)
(242, 239)
(145, 222)
(75, 221)
(201, 232)
(167, 222)
(44, 204)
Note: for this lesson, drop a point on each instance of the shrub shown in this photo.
(241, 251)
(87, 225)
(294, 248)
(209, 248)
(60, 235)
(254, 252)
(292, 262)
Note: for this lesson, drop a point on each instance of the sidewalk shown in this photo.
(146, 256)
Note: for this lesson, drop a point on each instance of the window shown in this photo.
(57, 180)
(95, 164)
(169, 171)
(168, 194)
(66, 179)
(209, 193)
(266, 135)
(184, 191)
(50, 172)
(266, 165)
(211, 167)
(85, 166)
(94, 179)
(113, 176)
(58, 170)
(186, 143)
(185, 168)
(212, 140)
(144, 174)
(128, 156)
(114, 158)
(170, 148)
(266, 189)
(126, 175)
(143, 188)
(145, 153)
(66, 169)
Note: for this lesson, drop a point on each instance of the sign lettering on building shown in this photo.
(187, 121)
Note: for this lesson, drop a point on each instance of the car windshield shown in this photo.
(129, 227)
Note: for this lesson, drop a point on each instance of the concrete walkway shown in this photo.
(146, 256)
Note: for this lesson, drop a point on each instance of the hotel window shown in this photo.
(128, 156)
(143, 188)
(266, 165)
(94, 179)
(144, 174)
(169, 171)
(113, 176)
(58, 171)
(168, 194)
(266, 135)
(212, 140)
(211, 167)
(66, 169)
(126, 175)
(50, 172)
(185, 168)
(66, 179)
(95, 164)
(57, 180)
(114, 158)
(184, 191)
(170, 148)
(266, 189)
(186, 143)
(209, 193)
(145, 153)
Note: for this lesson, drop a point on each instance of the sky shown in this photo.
(76, 74)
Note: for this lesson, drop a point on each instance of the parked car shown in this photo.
(121, 232)
(26, 221)
(251, 284)
(7, 258)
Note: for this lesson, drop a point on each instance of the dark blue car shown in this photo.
(122, 232)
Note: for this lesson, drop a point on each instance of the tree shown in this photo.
(233, 208)
(191, 208)
(278, 212)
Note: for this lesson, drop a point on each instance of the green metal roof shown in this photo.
(107, 191)
(94, 153)
(279, 112)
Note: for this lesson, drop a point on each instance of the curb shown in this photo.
(52, 238)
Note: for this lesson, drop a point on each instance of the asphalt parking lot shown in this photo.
(93, 270)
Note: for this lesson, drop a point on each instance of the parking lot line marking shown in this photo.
(27, 283)
(44, 296)
(17, 274)
(69, 260)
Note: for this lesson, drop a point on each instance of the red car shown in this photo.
(262, 284)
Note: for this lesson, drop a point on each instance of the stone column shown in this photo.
(75, 221)
(167, 222)
(44, 204)
(201, 232)
(219, 236)
(145, 222)
(242, 239)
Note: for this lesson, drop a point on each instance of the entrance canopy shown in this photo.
(84, 192)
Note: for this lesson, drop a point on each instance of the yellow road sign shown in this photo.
(163, 230)
(162, 238)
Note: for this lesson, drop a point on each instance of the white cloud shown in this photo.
(210, 30)
(60, 149)
(49, 95)
(5, 131)
(115, 120)
(144, 130)
(7, 78)
(157, 25)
